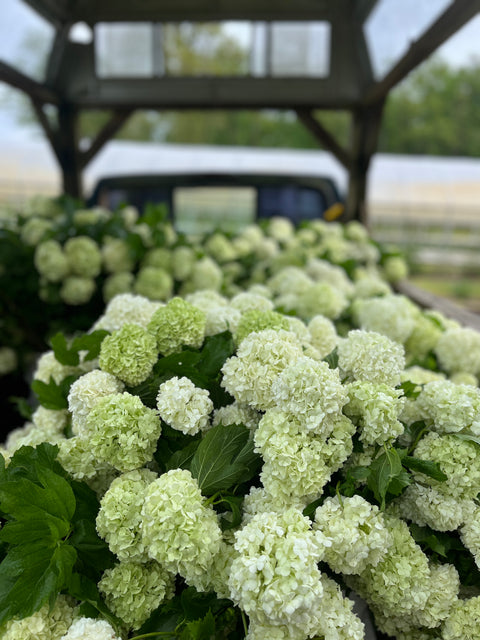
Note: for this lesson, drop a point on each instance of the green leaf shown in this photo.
(22, 499)
(216, 350)
(70, 355)
(182, 459)
(382, 471)
(203, 629)
(91, 343)
(62, 352)
(224, 458)
(439, 542)
(52, 395)
(309, 511)
(232, 519)
(410, 389)
(22, 406)
(332, 359)
(93, 552)
(429, 468)
(27, 460)
(196, 604)
(30, 575)
(87, 504)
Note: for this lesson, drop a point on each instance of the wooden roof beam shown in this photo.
(35, 90)
(324, 137)
(105, 134)
(450, 21)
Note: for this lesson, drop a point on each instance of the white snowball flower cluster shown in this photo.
(48, 623)
(250, 374)
(126, 308)
(85, 393)
(310, 391)
(133, 591)
(119, 521)
(371, 357)
(90, 629)
(432, 506)
(462, 623)
(49, 367)
(470, 532)
(458, 349)
(399, 583)
(356, 531)
(275, 580)
(184, 406)
(323, 335)
(122, 431)
(237, 413)
(392, 315)
(457, 458)
(375, 408)
(178, 530)
(297, 463)
(448, 407)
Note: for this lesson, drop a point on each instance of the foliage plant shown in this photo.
(240, 461)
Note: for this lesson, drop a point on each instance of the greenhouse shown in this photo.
(218, 424)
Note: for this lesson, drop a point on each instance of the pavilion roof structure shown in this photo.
(338, 70)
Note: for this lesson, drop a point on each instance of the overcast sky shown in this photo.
(391, 26)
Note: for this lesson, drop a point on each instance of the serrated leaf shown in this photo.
(203, 629)
(224, 457)
(429, 468)
(27, 460)
(30, 575)
(52, 395)
(22, 499)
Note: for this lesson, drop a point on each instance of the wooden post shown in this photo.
(67, 150)
(366, 123)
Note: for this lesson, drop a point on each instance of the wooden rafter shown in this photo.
(324, 137)
(450, 21)
(32, 88)
(105, 134)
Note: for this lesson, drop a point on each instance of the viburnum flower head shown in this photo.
(375, 408)
(357, 532)
(260, 358)
(119, 521)
(371, 357)
(129, 354)
(127, 308)
(258, 320)
(458, 349)
(178, 530)
(90, 629)
(183, 406)
(76, 290)
(448, 407)
(154, 283)
(310, 391)
(50, 261)
(83, 256)
(85, 393)
(274, 577)
(122, 431)
(133, 591)
(177, 324)
(48, 623)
